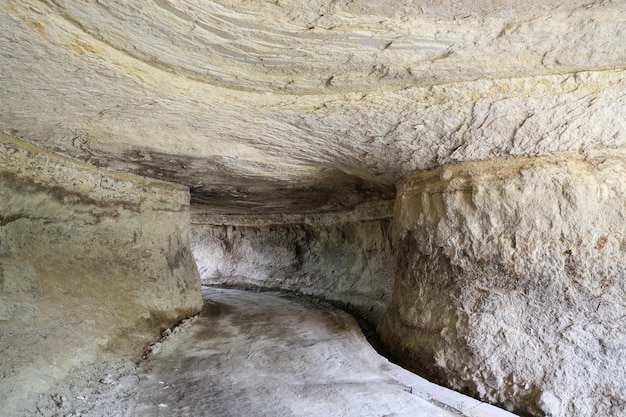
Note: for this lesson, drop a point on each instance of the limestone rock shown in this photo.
(345, 258)
(511, 281)
(274, 114)
(91, 263)
(322, 105)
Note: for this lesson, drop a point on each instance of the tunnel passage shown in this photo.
(94, 265)
(344, 257)
(507, 275)
(313, 107)
(503, 279)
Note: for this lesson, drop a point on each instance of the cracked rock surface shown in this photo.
(322, 105)
(499, 127)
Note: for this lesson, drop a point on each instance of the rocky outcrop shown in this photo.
(341, 257)
(511, 281)
(91, 263)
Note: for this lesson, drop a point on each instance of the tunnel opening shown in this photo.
(341, 259)
(497, 126)
(100, 292)
(449, 275)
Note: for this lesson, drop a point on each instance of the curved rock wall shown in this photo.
(511, 281)
(342, 257)
(91, 263)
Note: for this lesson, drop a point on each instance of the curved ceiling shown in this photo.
(309, 106)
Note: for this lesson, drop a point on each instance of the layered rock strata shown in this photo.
(511, 281)
(342, 257)
(322, 105)
(91, 263)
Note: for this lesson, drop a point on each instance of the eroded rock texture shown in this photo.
(342, 257)
(511, 281)
(272, 111)
(91, 263)
(323, 104)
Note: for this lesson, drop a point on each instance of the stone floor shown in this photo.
(271, 354)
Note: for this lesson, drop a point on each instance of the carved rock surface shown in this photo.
(343, 257)
(511, 281)
(91, 263)
(322, 105)
(272, 112)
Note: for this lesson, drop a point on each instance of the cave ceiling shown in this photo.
(296, 106)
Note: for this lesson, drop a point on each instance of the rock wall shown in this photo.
(341, 257)
(91, 263)
(511, 281)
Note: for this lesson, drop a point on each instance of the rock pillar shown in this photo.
(511, 281)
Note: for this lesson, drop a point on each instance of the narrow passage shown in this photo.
(271, 354)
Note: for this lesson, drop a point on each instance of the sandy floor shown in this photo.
(259, 354)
